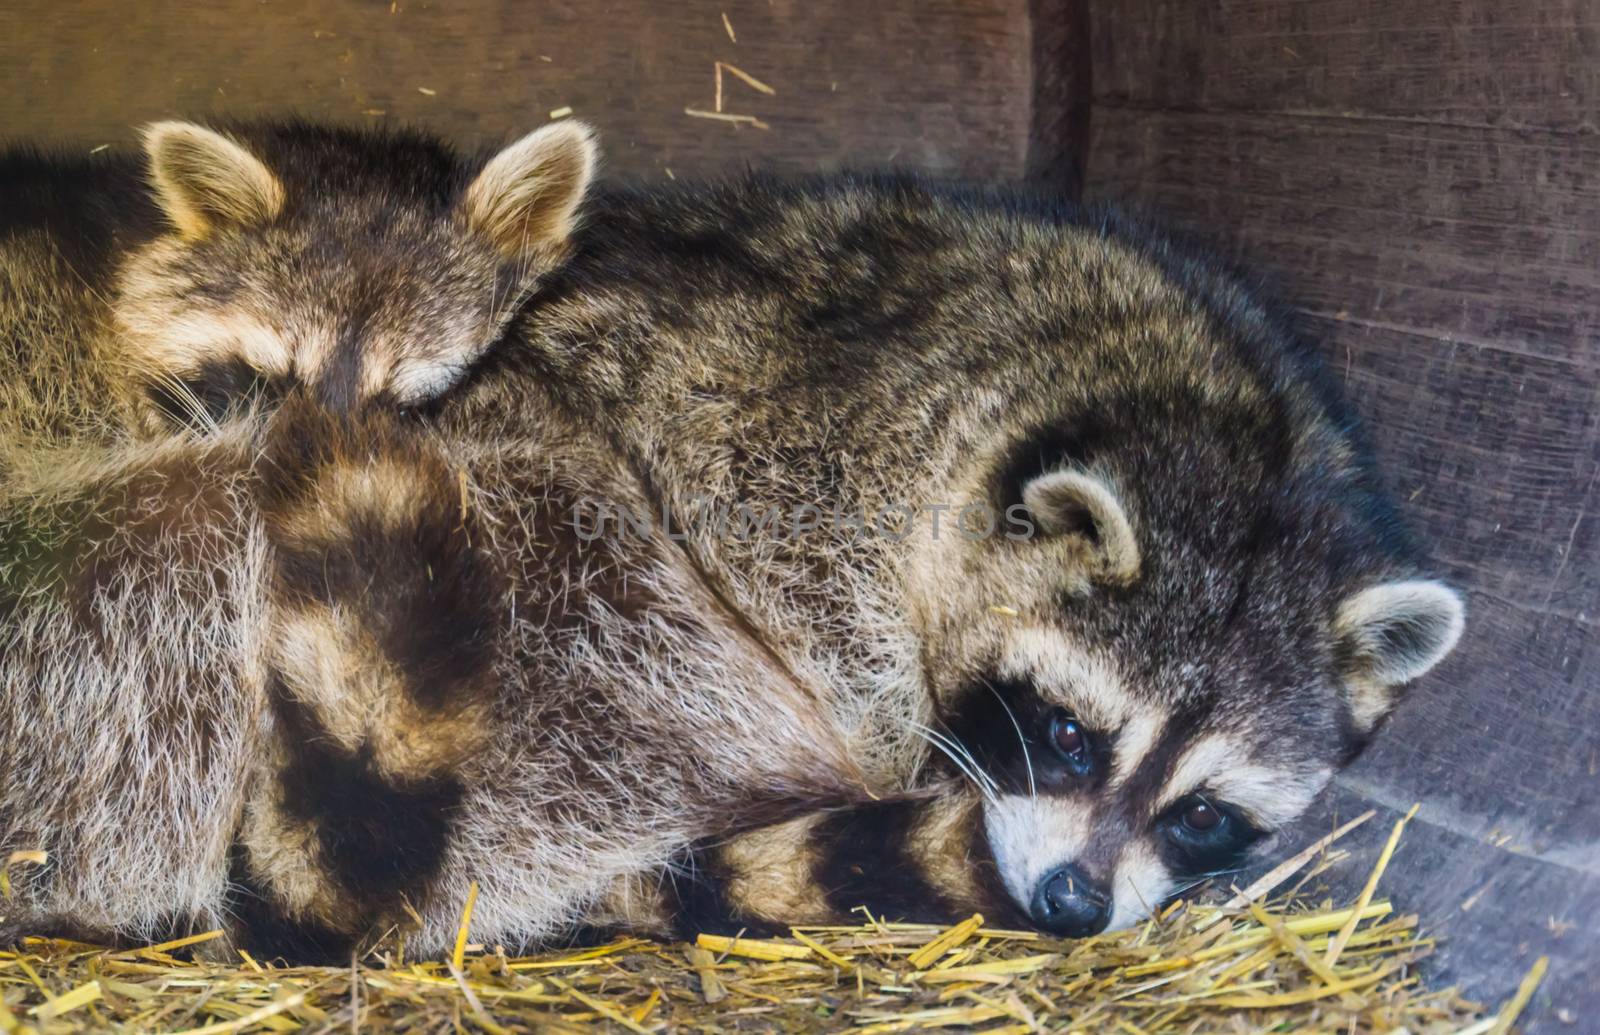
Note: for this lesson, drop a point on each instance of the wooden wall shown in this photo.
(1422, 179)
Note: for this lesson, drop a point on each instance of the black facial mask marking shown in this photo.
(995, 718)
(1007, 726)
(220, 387)
(1189, 852)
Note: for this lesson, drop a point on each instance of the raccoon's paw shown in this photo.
(385, 608)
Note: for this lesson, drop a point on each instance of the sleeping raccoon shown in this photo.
(1165, 603)
(1212, 608)
(370, 266)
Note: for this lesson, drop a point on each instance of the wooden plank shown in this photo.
(1528, 65)
(1512, 908)
(1468, 337)
(1486, 770)
(942, 86)
(1421, 226)
(1062, 87)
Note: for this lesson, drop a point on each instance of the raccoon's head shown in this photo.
(1195, 636)
(363, 266)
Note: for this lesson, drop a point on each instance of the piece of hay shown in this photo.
(723, 116)
(1513, 1009)
(748, 79)
(458, 958)
(1270, 881)
(957, 935)
(1336, 946)
(757, 949)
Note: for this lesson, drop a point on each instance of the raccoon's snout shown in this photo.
(1068, 903)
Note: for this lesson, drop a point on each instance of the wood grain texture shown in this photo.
(1061, 92)
(1422, 180)
(943, 86)
(1526, 65)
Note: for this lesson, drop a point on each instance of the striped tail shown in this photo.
(917, 858)
(385, 623)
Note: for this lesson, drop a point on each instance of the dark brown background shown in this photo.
(1421, 177)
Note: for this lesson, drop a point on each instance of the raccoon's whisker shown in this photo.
(1027, 758)
(1148, 909)
(1202, 878)
(185, 396)
(980, 779)
(972, 777)
(1223, 873)
(938, 741)
(181, 391)
(955, 756)
(1183, 888)
(950, 740)
(967, 752)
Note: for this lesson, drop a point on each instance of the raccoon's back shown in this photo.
(91, 207)
(64, 221)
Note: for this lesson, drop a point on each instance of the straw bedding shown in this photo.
(1270, 959)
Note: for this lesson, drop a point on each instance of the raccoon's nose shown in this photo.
(1069, 904)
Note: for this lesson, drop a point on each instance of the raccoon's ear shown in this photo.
(1071, 502)
(205, 181)
(1390, 634)
(525, 199)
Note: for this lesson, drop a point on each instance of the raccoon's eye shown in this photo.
(1201, 818)
(1204, 835)
(1198, 819)
(1071, 741)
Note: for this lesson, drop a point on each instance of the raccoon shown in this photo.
(1214, 605)
(360, 268)
(370, 267)
(350, 693)
(388, 658)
